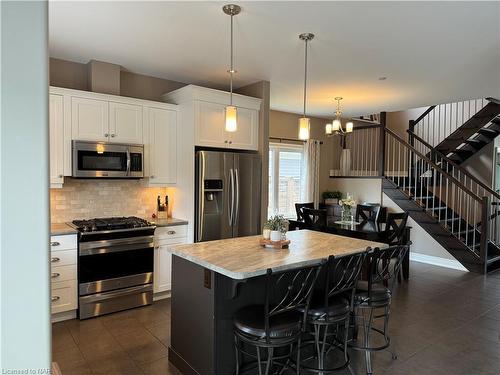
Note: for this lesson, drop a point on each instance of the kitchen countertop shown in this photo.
(243, 257)
(170, 222)
(57, 229)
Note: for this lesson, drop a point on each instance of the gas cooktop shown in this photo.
(110, 223)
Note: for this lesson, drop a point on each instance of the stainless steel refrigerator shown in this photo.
(227, 195)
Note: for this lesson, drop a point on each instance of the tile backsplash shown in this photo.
(83, 199)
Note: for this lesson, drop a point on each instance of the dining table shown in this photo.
(366, 230)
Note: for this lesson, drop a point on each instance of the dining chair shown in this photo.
(315, 219)
(395, 227)
(299, 207)
(375, 294)
(367, 212)
(274, 329)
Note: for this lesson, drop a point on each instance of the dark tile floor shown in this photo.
(442, 322)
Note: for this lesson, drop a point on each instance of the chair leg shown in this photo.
(368, 328)
(269, 361)
(297, 364)
(237, 352)
(386, 331)
(259, 364)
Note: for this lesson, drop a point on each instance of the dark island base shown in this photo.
(203, 305)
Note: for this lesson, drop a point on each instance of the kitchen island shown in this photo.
(212, 280)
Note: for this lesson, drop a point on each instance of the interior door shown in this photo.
(248, 169)
(213, 195)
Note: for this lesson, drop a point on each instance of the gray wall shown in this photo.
(24, 208)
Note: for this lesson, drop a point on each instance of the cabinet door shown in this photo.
(125, 123)
(89, 119)
(56, 131)
(209, 124)
(162, 269)
(162, 146)
(247, 134)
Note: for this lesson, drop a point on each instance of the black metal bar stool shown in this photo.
(277, 325)
(375, 294)
(329, 313)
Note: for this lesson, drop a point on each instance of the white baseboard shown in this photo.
(437, 261)
(161, 295)
(67, 315)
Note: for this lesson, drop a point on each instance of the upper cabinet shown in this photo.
(207, 107)
(125, 123)
(160, 135)
(56, 137)
(89, 119)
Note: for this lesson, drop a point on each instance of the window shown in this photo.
(285, 168)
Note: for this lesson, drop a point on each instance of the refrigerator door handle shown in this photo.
(201, 198)
(237, 208)
(230, 197)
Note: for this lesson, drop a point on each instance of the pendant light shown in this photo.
(336, 126)
(231, 111)
(304, 121)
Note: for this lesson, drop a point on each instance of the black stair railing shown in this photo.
(439, 121)
(440, 194)
(479, 188)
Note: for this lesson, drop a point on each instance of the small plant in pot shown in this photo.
(266, 230)
(332, 197)
(278, 226)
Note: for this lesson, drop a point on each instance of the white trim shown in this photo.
(437, 261)
(65, 315)
(162, 295)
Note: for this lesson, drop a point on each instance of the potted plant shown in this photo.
(331, 197)
(277, 225)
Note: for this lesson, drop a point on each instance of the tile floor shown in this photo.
(442, 322)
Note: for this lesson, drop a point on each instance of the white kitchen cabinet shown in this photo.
(209, 124)
(89, 119)
(125, 123)
(165, 237)
(161, 146)
(56, 139)
(247, 135)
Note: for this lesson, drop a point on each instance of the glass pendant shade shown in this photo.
(231, 119)
(328, 129)
(336, 125)
(304, 128)
(348, 127)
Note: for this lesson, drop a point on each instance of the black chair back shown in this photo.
(385, 265)
(299, 207)
(367, 212)
(342, 274)
(395, 227)
(290, 290)
(315, 219)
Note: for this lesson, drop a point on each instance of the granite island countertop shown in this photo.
(243, 257)
(58, 229)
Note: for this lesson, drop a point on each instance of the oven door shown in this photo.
(114, 264)
(99, 159)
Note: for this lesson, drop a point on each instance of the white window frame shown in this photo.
(280, 147)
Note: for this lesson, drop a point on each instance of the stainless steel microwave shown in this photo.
(107, 160)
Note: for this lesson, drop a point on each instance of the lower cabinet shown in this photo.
(63, 273)
(165, 237)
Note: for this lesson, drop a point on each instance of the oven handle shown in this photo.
(117, 293)
(115, 245)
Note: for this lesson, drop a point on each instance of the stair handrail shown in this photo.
(461, 169)
(434, 165)
(419, 118)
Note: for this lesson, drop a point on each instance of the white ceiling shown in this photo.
(430, 52)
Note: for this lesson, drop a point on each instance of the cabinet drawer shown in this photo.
(62, 273)
(63, 296)
(64, 242)
(176, 231)
(63, 258)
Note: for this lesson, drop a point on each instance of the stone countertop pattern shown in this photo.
(57, 229)
(243, 257)
(170, 222)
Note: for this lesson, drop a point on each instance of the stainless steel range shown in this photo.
(115, 264)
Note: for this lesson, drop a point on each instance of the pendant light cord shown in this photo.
(305, 79)
(231, 69)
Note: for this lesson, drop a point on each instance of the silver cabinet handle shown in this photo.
(113, 135)
(55, 243)
(151, 176)
(230, 142)
(106, 135)
(225, 141)
(237, 199)
(61, 176)
(55, 274)
(55, 298)
(171, 232)
(231, 197)
(55, 259)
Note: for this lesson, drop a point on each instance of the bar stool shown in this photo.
(277, 325)
(329, 314)
(376, 294)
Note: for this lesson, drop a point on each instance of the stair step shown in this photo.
(490, 133)
(475, 143)
(463, 153)
(492, 258)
